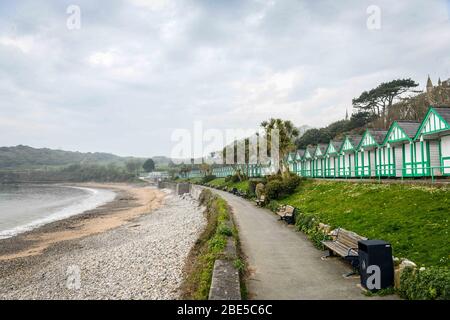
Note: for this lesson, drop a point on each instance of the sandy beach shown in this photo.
(131, 248)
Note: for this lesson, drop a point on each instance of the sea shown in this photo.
(24, 207)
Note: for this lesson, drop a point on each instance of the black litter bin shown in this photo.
(375, 253)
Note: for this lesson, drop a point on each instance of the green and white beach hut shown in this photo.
(371, 141)
(319, 159)
(298, 158)
(341, 162)
(432, 143)
(292, 163)
(195, 174)
(227, 171)
(218, 172)
(254, 170)
(332, 159)
(396, 157)
(250, 169)
(308, 162)
(348, 155)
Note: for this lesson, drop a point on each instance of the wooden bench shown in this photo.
(287, 213)
(261, 201)
(345, 245)
(241, 194)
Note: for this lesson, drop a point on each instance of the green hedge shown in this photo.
(279, 187)
(433, 283)
(309, 224)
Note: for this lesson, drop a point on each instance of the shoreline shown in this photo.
(127, 204)
(135, 247)
(90, 202)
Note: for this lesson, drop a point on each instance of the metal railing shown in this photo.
(411, 170)
(379, 172)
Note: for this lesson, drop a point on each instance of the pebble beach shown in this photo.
(142, 258)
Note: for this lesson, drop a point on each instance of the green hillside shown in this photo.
(24, 157)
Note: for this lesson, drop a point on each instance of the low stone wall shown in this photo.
(182, 188)
(225, 283)
(195, 191)
(178, 188)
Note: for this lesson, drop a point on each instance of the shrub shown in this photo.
(225, 230)
(291, 183)
(277, 189)
(228, 178)
(207, 179)
(432, 283)
(273, 206)
(235, 178)
(274, 189)
(309, 224)
(274, 177)
(252, 187)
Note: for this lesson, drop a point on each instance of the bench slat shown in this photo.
(339, 250)
(345, 244)
(287, 213)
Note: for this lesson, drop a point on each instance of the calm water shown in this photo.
(24, 207)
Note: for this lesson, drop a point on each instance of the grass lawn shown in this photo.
(220, 182)
(413, 218)
(192, 180)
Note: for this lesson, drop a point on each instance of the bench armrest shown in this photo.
(350, 250)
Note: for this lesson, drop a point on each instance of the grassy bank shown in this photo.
(209, 247)
(413, 218)
(220, 182)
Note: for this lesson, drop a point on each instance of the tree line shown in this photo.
(79, 172)
(378, 107)
(375, 108)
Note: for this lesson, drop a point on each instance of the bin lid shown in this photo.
(374, 242)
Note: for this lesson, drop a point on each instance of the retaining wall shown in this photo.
(225, 284)
(195, 191)
(178, 188)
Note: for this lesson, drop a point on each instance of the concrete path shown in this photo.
(283, 263)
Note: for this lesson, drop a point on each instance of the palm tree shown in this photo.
(287, 134)
(205, 169)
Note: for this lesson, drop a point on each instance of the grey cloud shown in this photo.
(223, 62)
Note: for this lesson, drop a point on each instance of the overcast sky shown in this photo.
(138, 69)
